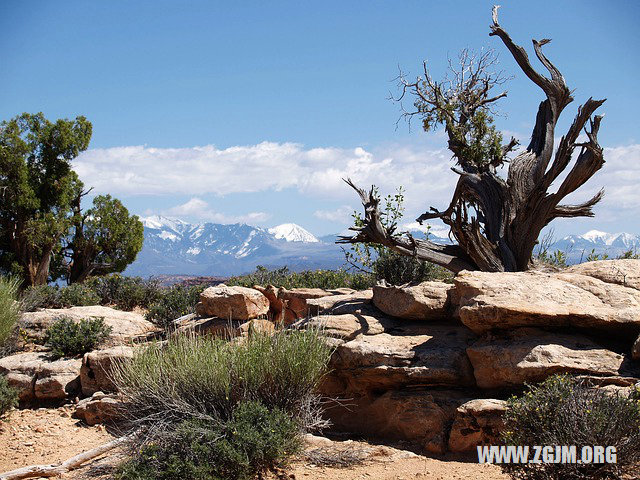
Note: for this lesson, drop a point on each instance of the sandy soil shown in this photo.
(46, 436)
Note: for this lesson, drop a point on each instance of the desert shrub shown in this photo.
(398, 269)
(253, 440)
(192, 376)
(283, 277)
(9, 307)
(78, 294)
(172, 303)
(41, 296)
(125, 292)
(564, 411)
(66, 337)
(8, 396)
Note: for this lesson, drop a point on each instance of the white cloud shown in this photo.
(318, 173)
(341, 214)
(198, 209)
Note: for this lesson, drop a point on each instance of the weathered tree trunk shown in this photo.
(497, 222)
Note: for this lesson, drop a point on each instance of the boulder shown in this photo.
(510, 359)
(535, 299)
(38, 378)
(258, 326)
(419, 416)
(478, 422)
(295, 301)
(232, 303)
(99, 408)
(214, 326)
(276, 306)
(624, 272)
(426, 301)
(410, 354)
(97, 366)
(347, 326)
(340, 304)
(125, 326)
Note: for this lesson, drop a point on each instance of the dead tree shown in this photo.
(495, 221)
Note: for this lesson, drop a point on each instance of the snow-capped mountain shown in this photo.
(172, 246)
(578, 247)
(292, 233)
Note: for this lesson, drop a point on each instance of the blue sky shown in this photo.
(253, 111)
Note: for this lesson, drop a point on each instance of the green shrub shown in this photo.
(8, 396)
(398, 269)
(78, 294)
(172, 303)
(253, 440)
(282, 277)
(66, 337)
(9, 307)
(564, 411)
(125, 292)
(41, 296)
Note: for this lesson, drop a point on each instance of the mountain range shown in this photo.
(175, 247)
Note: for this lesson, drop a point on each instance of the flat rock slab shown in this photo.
(510, 359)
(232, 303)
(339, 304)
(414, 354)
(534, 299)
(39, 378)
(624, 272)
(426, 301)
(124, 325)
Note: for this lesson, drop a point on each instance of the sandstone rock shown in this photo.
(418, 416)
(124, 325)
(348, 326)
(276, 306)
(426, 301)
(624, 272)
(478, 422)
(97, 366)
(232, 303)
(340, 304)
(506, 300)
(295, 301)
(38, 378)
(99, 408)
(530, 355)
(214, 326)
(257, 326)
(412, 354)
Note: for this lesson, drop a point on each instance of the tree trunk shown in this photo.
(497, 222)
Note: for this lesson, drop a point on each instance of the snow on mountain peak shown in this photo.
(159, 222)
(292, 233)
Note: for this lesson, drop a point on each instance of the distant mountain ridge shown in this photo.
(174, 247)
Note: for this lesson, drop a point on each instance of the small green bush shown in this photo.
(398, 269)
(9, 307)
(125, 292)
(8, 396)
(172, 303)
(255, 439)
(565, 411)
(282, 277)
(78, 294)
(41, 296)
(66, 337)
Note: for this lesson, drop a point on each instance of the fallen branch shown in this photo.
(56, 469)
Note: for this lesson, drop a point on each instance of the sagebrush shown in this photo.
(9, 307)
(67, 337)
(8, 396)
(565, 411)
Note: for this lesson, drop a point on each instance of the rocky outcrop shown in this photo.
(623, 272)
(295, 301)
(214, 326)
(489, 301)
(426, 301)
(478, 422)
(232, 303)
(97, 367)
(340, 304)
(99, 408)
(38, 378)
(530, 355)
(125, 326)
